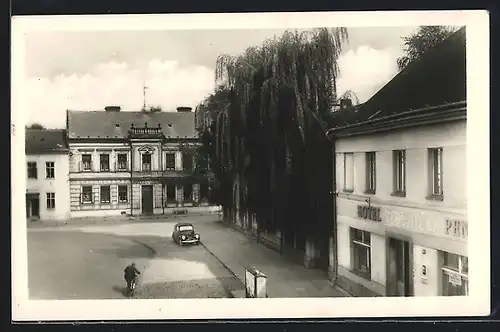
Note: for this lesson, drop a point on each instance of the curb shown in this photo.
(224, 264)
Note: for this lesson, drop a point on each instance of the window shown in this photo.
(370, 173)
(348, 172)
(436, 172)
(204, 191)
(361, 260)
(105, 194)
(32, 170)
(170, 161)
(187, 161)
(188, 192)
(50, 170)
(170, 192)
(87, 194)
(455, 275)
(400, 172)
(186, 228)
(146, 162)
(122, 194)
(87, 162)
(51, 200)
(122, 162)
(104, 162)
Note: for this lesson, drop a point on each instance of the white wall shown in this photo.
(430, 286)
(59, 185)
(416, 141)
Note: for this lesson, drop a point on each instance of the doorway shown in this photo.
(147, 199)
(32, 206)
(398, 268)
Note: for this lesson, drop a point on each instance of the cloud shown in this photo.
(116, 83)
(365, 70)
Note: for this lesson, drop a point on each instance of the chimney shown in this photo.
(112, 108)
(184, 109)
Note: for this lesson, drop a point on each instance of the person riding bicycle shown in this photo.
(131, 272)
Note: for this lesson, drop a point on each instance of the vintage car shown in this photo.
(184, 233)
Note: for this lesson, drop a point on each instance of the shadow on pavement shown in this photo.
(173, 271)
(121, 290)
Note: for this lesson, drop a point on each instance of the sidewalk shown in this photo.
(284, 278)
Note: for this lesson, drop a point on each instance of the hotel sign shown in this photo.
(369, 212)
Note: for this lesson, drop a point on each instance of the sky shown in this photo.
(87, 70)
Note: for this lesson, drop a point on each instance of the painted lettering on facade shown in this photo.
(369, 212)
(457, 228)
(409, 222)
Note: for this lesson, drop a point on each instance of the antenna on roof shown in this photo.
(144, 88)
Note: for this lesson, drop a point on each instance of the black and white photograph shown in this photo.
(270, 165)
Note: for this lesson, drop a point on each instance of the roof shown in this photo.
(102, 124)
(40, 141)
(437, 78)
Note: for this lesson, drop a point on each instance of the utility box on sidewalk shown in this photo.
(255, 283)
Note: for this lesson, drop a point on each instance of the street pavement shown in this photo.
(88, 262)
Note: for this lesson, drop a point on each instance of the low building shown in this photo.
(135, 163)
(401, 224)
(47, 168)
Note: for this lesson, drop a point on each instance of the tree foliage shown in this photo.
(421, 41)
(265, 134)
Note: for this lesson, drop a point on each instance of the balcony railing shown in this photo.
(145, 132)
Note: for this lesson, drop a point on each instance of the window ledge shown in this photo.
(399, 194)
(361, 274)
(370, 191)
(349, 191)
(435, 197)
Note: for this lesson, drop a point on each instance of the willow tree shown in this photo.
(270, 141)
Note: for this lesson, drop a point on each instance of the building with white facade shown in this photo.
(134, 163)
(401, 222)
(47, 168)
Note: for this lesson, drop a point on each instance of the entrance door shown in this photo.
(32, 206)
(147, 199)
(398, 266)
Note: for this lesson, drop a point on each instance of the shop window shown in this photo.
(86, 195)
(349, 172)
(170, 193)
(455, 275)
(123, 194)
(105, 194)
(188, 193)
(361, 252)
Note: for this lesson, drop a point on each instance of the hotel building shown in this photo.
(401, 223)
